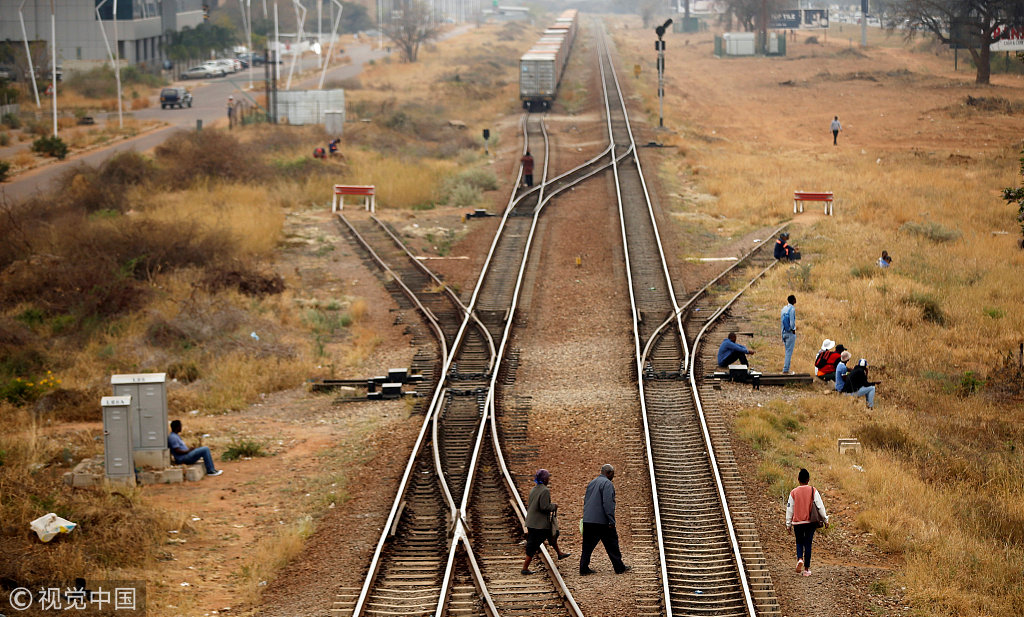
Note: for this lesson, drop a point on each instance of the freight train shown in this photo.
(541, 68)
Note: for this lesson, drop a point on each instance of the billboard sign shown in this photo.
(1010, 39)
(789, 20)
(793, 19)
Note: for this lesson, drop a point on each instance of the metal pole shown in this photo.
(117, 71)
(380, 24)
(53, 67)
(28, 54)
(661, 83)
(320, 30)
(277, 49)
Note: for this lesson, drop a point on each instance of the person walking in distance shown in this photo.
(789, 331)
(836, 127)
(539, 511)
(599, 522)
(798, 520)
(527, 162)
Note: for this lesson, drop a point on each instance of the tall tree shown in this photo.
(970, 24)
(747, 13)
(410, 26)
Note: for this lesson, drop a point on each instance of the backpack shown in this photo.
(822, 359)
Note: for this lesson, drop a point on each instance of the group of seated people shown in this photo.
(831, 364)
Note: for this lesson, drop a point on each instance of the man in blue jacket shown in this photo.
(599, 522)
(788, 321)
(730, 351)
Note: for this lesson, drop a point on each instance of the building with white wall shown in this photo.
(141, 25)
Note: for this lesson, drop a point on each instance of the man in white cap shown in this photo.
(859, 384)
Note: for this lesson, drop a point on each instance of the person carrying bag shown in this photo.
(805, 512)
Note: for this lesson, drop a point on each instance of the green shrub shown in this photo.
(5, 139)
(863, 271)
(931, 230)
(994, 313)
(51, 146)
(483, 179)
(465, 195)
(969, 384)
(4, 168)
(243, 448)
(931, 311)
(885, 437)
(12, 121)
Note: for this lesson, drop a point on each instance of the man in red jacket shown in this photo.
(527, 162)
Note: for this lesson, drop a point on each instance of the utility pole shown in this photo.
(53, 67)
(863, 23)
(659, 45)
(117, 72)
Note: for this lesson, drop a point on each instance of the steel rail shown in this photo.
(499, 456)
(636, 331)
(403, 484)
(700, 292)
(687, 364)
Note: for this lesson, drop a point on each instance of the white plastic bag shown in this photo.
(49, 525)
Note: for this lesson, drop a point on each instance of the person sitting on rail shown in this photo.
(730, 351)
(827, 358)
(332, 146)
(783, 250)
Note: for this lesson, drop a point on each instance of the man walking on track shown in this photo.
(836, 127)
(789, 331)
(527, 162)
(599, 522)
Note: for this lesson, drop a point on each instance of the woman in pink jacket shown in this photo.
(798, 520)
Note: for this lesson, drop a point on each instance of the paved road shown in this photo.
(209, 105)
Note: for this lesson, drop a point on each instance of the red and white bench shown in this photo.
(367, 191)
(799, 197)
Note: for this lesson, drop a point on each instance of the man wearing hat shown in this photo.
(859, 384)
(539, 511)
(783, 250)
(827, 358)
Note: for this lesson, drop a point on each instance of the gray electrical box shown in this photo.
(118, 451)
(148, 415)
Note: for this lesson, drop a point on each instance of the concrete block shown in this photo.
(171, 475)
(195, 473)
(124, 480)
(86, 480)
(155, 459)
(848, 445)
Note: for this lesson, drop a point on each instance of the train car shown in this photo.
(541, 68)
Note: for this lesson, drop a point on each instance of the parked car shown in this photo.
(8, 74)
(250, 59)
(226, 65)
(237, 64)
(175, 97)
(202, 72)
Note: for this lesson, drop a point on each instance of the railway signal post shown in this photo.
(659, 46)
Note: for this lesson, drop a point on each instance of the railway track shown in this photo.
(454, 476)
(706, 565)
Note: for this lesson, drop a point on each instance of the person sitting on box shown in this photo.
(730, 351)
(183, 455)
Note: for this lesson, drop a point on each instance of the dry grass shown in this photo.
(916, 173)
(241, 210)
